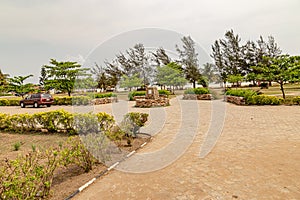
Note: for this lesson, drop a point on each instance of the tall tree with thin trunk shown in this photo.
(189, 60)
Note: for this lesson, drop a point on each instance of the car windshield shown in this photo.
(46, 96)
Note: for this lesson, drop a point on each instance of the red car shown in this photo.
(37, 100)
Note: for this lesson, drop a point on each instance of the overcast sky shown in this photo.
(34, 31)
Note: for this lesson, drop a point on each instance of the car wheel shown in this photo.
(22, 105)
(36, 105)
(48, 105)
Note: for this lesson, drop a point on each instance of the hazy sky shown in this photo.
(33, 31)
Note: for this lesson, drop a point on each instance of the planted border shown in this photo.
(251, 97)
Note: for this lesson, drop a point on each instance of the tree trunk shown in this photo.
(194, 84)
(69, 93)
(282, 89)
(270, 83)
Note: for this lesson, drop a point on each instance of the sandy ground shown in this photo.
(257, 155)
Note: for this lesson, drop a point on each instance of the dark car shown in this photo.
(37, 100)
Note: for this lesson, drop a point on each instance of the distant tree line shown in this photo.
(234, 62)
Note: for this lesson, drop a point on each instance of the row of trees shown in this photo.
(259, 61)
(137, 67)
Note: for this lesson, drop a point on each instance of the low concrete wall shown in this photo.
(197, 97)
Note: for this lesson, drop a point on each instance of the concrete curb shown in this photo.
(87, 184)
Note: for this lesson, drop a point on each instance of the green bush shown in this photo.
(265, 100)
(81, 100)
(62, 101)
(132, 123)
(104, 95)
(4, 102)
(247, 94)
(164, 92)
(296, 100)
(197, 91)
(132, 94)
(9, 102)
(252, 98)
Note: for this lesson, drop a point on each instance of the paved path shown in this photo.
(257, 156)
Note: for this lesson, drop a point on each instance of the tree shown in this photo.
(130, 82)
(209, 71)
(17, 85)
(43, 76)
(170, 75)
(235, 79)
(62, 75)
(188, 59)
(281, 69)
(161, 57)
(136, 61)
(217, 55)
(3, 81)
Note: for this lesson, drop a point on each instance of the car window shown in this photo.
(46, 96)
(28, 97)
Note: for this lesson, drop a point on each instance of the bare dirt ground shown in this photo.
(256, 157)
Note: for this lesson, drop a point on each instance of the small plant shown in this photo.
(17, 146)
(33, 148)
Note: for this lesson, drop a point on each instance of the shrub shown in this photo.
(197, 91)
(4, 102)
(31, 176)
(131, 95)
(104, 95)
(265, 100)
(81, 100)
(62, 101)
(296, 100)
(132, 123)
(28, 177)
(247, 94)
(164, 92)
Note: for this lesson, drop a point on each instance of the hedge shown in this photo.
(132, 94)
(252, 98)
(197, 91)
(73, 100)
(55, 121)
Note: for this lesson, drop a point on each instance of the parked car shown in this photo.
(37, 100)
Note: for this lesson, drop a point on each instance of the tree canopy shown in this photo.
(62, 75)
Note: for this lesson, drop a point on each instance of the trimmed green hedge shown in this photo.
(252, 98)
(9, 102)
(66, 100)
(54, 122)
(265, 100)
(197, 91)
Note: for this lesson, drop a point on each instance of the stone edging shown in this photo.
(197, 97)
(236, 100)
